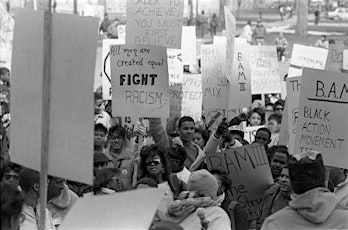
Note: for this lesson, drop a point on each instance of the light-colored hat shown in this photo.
(203, 182)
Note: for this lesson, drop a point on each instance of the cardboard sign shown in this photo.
(345, 60)
(250, 132)
(284, 128)
(186, 98)
(323, 116)
(117, 8)
(157, 23)
(175, 66)
(239, 91)
(188, 45)
(214, 83)
(71, 114)
(121, 32)
(230, 40)
(308, 56)
(264, 70)
(106, 72)
(334, 60)
(293, 101)
(6, 34)
(249, 170)
(139, 81)
(125, 210)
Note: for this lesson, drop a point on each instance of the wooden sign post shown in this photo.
(46, 97)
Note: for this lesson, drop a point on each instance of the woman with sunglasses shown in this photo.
(153, 164)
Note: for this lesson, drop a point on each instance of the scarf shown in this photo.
(186, 204)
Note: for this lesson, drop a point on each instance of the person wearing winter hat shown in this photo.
(202, 193)
(312, 206)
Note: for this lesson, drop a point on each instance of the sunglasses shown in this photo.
(153, 162)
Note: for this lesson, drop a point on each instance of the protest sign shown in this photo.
(250, 132)
(175, 66)
(345, 60)
(94, 11)
(264, 70)
(294, 71)
(121, 32)
(70, 153)
(188, 45)
(116, 8)
(135, 210)
(293, 86)
(239, 90)
(186, 98)
(106, 72)
(322, 122)
(283, 70)
(157, 23)
(334, 60)
(249, 170)
(6, 35)
(308, 56)
(230, 22)
(139, 81)
(214, 82)
(284, 128)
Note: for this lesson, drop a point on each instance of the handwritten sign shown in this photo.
(284, 127)
(264, 70)
(345, 60)
(121, 32)
(71, 114)
(250, 133)
(214, 82)
(186, 99)
(175, 66)
(334, 60)
(308, 56)
(106, 72)
(323, 116)
(136, 210)
(156, 23)
(293, 86)
(230, 40)
(139, 81)
(249, 170)
(239, 90)
(188, 45)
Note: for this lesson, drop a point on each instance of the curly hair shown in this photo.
(151, 151)
(12, 201)
(259, 111)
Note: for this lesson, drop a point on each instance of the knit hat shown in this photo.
(27, 178)
(148, 181)
(203, 182)
(100, 158)
(306, 171)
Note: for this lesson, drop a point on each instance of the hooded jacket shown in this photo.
(59, 206)
(314, 209)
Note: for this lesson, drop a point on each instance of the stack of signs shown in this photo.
(323, 113)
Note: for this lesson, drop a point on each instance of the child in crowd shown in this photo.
(274, 121)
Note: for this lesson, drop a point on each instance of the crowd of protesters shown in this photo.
(302, 196)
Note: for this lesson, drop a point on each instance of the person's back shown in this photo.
(312, 206)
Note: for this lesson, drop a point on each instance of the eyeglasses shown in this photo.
(153, 162)
(261, 138)
(113, 138)
(9, 176)
(280, 109)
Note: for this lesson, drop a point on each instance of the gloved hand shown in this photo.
(221, 128)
